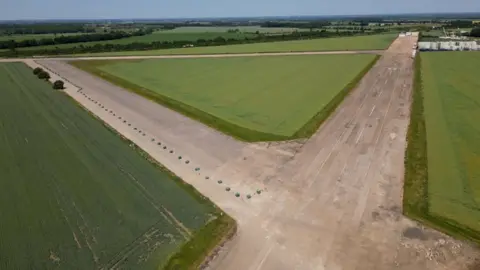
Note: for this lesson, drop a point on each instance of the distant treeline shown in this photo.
(137, 46)
(11, 44)
(459, 24)
(44, 28)
(308, 25)
(475, 32)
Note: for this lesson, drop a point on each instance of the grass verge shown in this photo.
(205, 240)
(236, 131)
(415, 191)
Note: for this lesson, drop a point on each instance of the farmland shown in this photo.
(160, 36)
(443, 184)
(74, 195)
(370, 42)
(251, 98)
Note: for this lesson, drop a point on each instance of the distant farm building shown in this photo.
(448, 46)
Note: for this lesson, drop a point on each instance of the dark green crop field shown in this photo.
(251, 98)
(443, 160)
(75, 195)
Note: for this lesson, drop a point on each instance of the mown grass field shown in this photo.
(443, 158)
(75, 195)
(371, 42)
(251, 98)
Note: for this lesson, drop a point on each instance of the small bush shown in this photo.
(58, 85)
(37, 70)
(43, 75)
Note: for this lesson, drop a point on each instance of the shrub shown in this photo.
(37, 70)
(58, 85)
(43, 75)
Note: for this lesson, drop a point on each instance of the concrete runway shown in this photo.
(333, 201)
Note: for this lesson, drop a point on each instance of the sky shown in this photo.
(123, 9)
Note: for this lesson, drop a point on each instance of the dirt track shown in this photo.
(331, 202)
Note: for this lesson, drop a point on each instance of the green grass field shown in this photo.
(251, 98)
(444, 183)
(371, 42)
(75, 195)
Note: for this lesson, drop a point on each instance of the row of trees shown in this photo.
(305, 25)
(137, 46)
(459, 24)
(12, 44)
(475, 32)
(43, 28)
(43, 75)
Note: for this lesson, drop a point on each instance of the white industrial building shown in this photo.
(448, 46)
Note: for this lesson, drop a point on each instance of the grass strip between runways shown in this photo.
(415, 192)
(316, 121)
(205, 240)
(236, 131)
